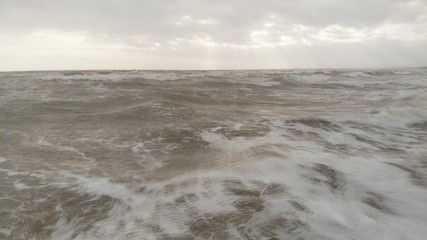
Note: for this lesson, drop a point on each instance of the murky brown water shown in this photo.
(297, 154)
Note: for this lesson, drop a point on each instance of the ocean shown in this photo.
(242, 154)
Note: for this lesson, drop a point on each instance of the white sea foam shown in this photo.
(113, 76)
(330, 211)
(135, 208)
(343, 213)
(404, 109)
(98, 187)
(5, 231)
(21, 186)
(402, 72)
(355, 74)
(312, 78)
(267, 83)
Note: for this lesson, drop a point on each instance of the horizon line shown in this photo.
(226, 69)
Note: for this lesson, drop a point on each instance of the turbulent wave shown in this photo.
(265, 154)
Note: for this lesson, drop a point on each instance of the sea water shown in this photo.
(260, 154)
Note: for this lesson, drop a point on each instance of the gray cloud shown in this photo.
(175, 29)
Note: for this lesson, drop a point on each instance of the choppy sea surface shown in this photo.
(262, 154)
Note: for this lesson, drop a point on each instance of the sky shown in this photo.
(211, 34)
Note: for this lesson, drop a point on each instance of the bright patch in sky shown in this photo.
(220, 34)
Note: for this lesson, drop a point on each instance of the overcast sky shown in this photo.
(217, 34)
